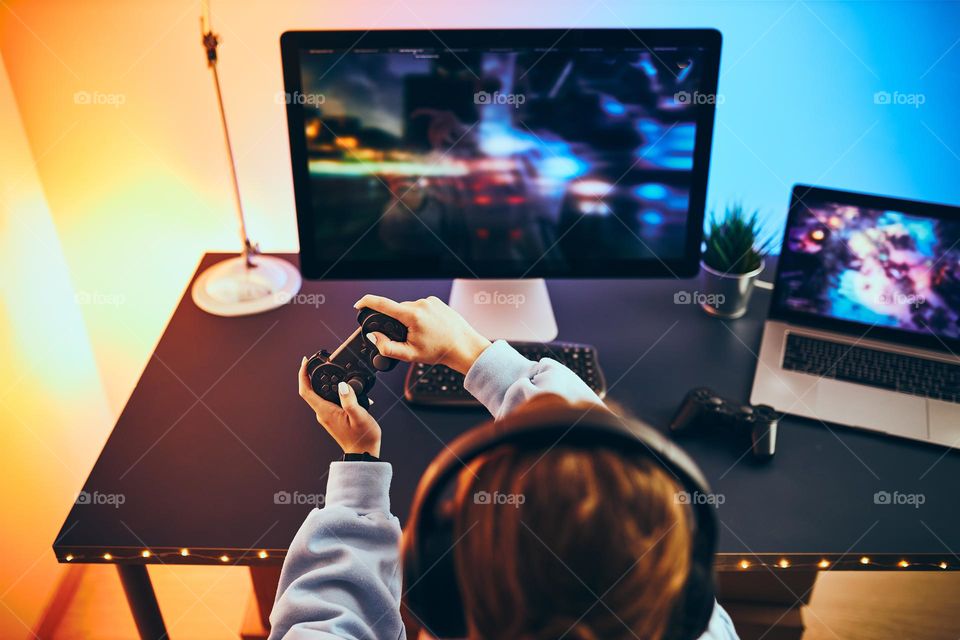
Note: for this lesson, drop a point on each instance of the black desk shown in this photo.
(215, 432)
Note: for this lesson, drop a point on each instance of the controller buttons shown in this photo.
(381, 363)
(325, 389)
(356, 384)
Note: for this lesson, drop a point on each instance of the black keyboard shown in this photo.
(872, 367)
(439, 385)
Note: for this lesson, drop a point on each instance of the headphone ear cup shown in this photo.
(431, 592)
(691, 616)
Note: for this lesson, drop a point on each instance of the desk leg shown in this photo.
(265, 581)
(142, 601)
(764, 604)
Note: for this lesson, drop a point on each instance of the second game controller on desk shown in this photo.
(357, 360)
(703, 408)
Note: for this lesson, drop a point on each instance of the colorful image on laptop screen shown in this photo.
(874, 267)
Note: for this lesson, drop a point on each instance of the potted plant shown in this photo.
(733, 257)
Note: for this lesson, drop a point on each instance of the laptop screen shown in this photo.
(875, 266)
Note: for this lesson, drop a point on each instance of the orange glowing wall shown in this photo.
(114, 182)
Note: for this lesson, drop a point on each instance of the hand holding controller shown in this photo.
(703, 408)
(357, 360)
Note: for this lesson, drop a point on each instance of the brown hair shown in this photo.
(586, 543)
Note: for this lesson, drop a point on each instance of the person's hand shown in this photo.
(436, 334)
(351, 425)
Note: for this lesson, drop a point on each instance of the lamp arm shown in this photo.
(210, 42)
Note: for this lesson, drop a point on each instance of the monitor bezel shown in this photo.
(312, 267)
(801, 194)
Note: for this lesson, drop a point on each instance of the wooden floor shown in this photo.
(209, 603)
(875, 606)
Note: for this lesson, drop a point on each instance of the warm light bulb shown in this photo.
(184, 552)
(864, 560)
(744, 564)
(69, 557)
(903, 564)
(107, 556)
(262, 554)
(145, 553)
(784, 563)
(823, 564)
(224, 558)
(943, 565)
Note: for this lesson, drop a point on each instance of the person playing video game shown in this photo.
(612, 517)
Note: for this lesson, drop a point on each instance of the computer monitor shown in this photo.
(500, 153)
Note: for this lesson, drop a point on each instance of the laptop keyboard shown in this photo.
(883, 369)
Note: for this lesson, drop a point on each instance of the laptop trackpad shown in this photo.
(862, 406)
(945, 423)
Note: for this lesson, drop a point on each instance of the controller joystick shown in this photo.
(357, 360)
(704, 408)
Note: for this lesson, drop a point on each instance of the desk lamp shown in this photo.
(250, 282)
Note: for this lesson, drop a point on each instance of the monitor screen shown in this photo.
(875, 266)
(507, 160)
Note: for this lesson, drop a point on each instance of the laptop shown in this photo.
(864, 326)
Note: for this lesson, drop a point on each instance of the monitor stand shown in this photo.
(517, 309)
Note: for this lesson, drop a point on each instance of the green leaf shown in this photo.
(736, 242)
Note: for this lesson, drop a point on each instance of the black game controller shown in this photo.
(703, 408)
(357, 360)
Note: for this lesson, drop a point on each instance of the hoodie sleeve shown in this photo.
(341, 577)
(502, 380)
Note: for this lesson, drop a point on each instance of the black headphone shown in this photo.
(430, 579)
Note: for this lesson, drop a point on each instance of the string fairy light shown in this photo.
(803, 562)
(164, 555)
(780, 563)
